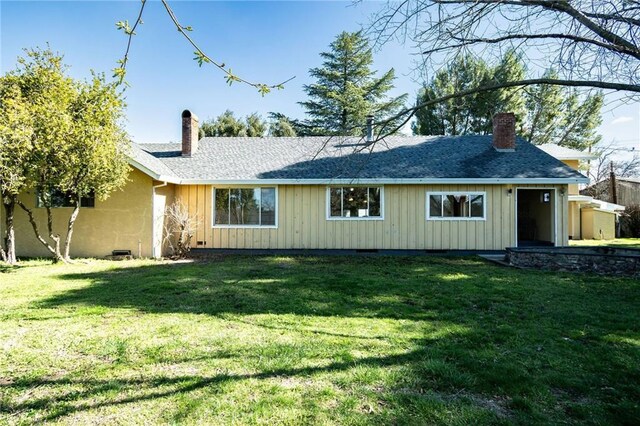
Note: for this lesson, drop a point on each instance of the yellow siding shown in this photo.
(302, 222)
(118, 223)
(598, 224)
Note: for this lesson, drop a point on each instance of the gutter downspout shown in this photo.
(154, 254)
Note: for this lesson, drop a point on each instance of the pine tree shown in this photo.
(545, 114)
(280, 126)
(543, 103)
(256, 126)
(470, 114)
(225, 125)
(347, 90)
(562, 116)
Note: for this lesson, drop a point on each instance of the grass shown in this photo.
(618, 242)
(304, 340)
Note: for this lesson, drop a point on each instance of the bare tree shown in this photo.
(179, 229)
(600, 169)
(592, 44)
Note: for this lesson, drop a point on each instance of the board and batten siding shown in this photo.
(302, 221)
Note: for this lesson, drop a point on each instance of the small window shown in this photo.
(56, 198)
(357, 202)
(245, 206)
(454, 206)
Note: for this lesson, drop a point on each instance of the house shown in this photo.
(422, 193)
(627, 191)
(589, 217)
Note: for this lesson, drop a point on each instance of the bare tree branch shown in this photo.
(201, 57)
(467, 42)
(582, 40)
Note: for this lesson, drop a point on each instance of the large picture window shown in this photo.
(358, 202)
(245, 206)
(456, 205)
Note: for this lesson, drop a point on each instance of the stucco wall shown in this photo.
(574, 220)
(118, 223)
(575, 165)
(302, 221)
(598, 224)
(163, 197)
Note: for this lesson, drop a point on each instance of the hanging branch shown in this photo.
(200, 56)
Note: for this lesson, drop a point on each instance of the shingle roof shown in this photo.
(322, 158)
(150, 164)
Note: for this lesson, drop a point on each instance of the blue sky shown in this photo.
(262, 41)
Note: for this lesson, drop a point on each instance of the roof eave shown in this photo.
(154, 175)
(440, 181)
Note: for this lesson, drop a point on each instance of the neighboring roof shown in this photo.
(564, 153)
(599, 204)
(397, 159)
(628, 179)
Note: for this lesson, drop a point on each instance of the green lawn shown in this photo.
(304, 340)
(619, 242)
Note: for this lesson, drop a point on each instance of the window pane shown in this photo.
(448, 204)
(59, 199)
(477, 206)
(249, 206)
(89, 200)
(335, 197)
(462, 207)
(455, 206)
(374, 202)
(354, 202)
(268, 202)
(235, 207)
(222, 206)
(435, 205)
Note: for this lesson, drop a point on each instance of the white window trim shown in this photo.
(237, 226)
(448, 219)
(328, 201)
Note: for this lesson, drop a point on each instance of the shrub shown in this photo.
(179, 229)
(630, 222)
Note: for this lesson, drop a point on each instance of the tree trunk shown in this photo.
(9, 255)
(55, 237)
(72, 220)
(54, 250)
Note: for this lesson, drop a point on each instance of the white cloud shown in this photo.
(623, 119)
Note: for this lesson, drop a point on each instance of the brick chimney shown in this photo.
(189, 133)
(504, 131)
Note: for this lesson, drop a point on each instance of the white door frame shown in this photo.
(555, 211)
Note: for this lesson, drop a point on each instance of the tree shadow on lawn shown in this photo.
(540, 342)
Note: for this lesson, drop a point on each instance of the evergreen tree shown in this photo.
(545, 114)
(280, 126)
(562, 116)
(581, 120)
(543, 119)
(256, 126)
(225, 125)
(470, 114)
(346, 89)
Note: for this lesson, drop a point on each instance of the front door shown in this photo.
(535, 217)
